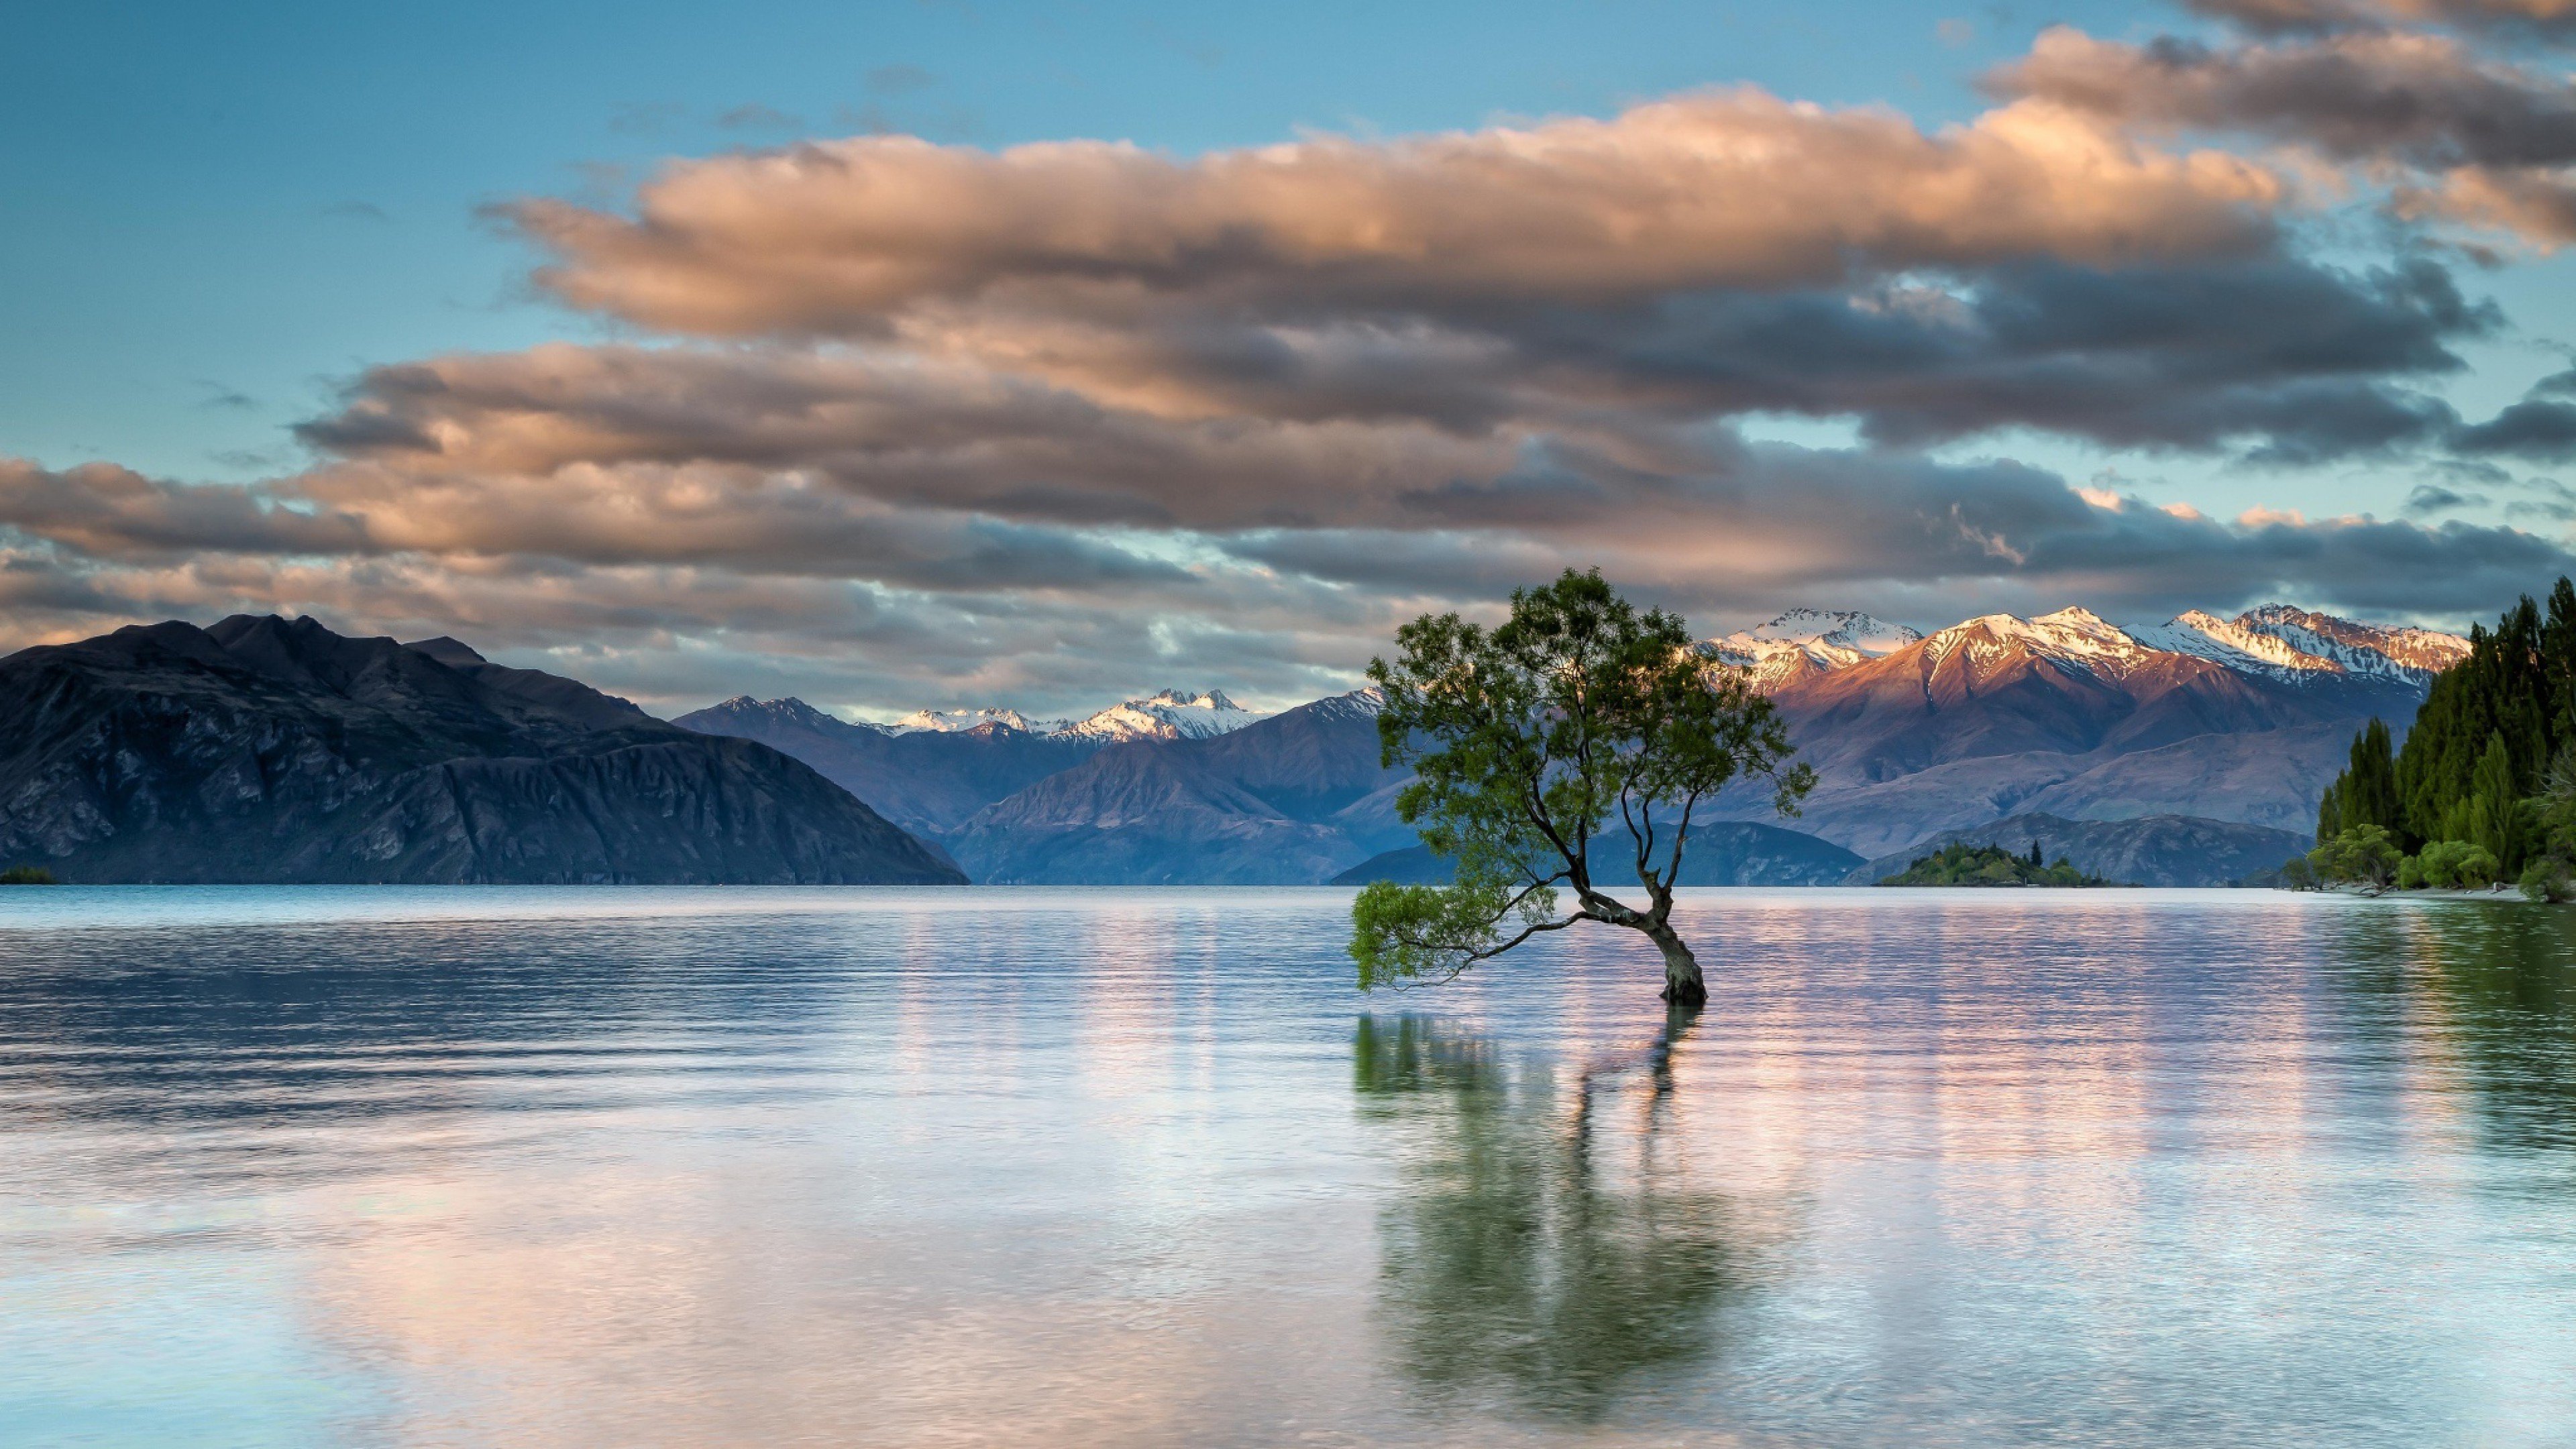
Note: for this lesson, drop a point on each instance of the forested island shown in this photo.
(1989, 865)
(2483, 791)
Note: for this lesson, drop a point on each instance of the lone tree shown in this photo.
(1527, 743)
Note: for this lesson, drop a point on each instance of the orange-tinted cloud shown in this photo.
(1720, 189)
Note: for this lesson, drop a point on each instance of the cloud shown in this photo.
(2541, 427)
(2491, 139)
(920, 424)
(756, 117)
(1732, 188)
(2428, 499)
(2544, 17)
(644, 118)
(899, 80)
(2552, 502)
(927, 541)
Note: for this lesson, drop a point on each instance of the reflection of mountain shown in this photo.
(1526, 1257)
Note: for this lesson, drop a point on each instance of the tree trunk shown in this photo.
(1682, 983)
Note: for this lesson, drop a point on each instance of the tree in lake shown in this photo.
(1565, 749)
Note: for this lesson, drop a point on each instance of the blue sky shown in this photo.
(226, 211)
(229, 224)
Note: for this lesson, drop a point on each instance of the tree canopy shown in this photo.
(1564, 749)
(2489, 764)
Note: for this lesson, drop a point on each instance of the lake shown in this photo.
(1120, 1167)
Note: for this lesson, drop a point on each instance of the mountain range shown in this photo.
(2208, 730)
(267, 749)
(2068, 715)
(1169, 714)
(2175, 751)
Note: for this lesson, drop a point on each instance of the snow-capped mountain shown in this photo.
(2415, 655)
(1167, 715)
(2277, 642)
(1804, 641)
(957, 721)
(2239, 720)
(2076, 635)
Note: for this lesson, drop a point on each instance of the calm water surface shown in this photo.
(479, 1167)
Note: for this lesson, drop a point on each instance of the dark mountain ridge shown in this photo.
(268, 749)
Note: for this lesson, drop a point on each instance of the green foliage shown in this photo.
(2517, 687)
(2366, 792)
(1989, 865)
(1579, 724)
(2452, 865)
(2548, 881)
(2496, 729)
(2365, 855)
(2298, 875)
(26, 875)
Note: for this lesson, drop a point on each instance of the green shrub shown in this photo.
(2545, 881)
(26, 875)
(2458, 865)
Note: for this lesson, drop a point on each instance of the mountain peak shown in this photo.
(1170, 714)
(959, 721)
(1809, 641)
(446, 651)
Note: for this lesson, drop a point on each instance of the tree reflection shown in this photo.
(2504, 977)
(1534, 1251)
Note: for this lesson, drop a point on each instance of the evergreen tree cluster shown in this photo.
(1989, 865)
(2485, 784)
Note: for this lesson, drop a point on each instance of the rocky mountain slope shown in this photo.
(1805, 642)
(266, 749)
(2152, 850)
(928, 780)
(2238, 720)
(2241, 722)
(1288, 800)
